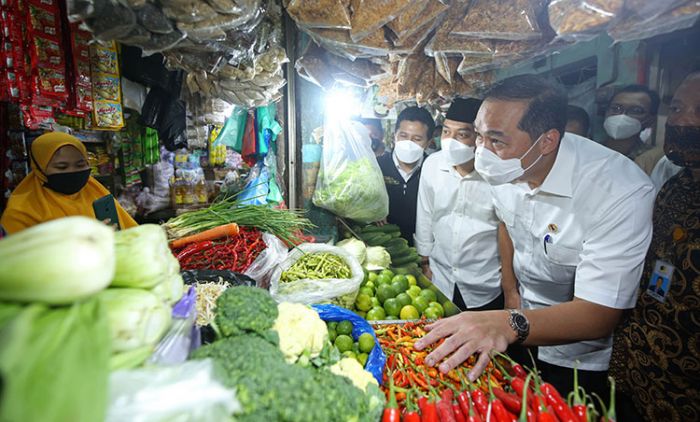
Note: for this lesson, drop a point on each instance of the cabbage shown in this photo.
(377, 258)
(143, 257)
(357, 248)
(137, 318)
(170, 290)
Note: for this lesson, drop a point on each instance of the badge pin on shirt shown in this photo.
(553, 228)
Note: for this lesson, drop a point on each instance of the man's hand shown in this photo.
(512, 299)
(466, 334)
(427, 271)
(380, 223)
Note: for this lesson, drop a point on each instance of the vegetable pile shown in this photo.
(230, 253)
(387, 236)
(317, 266)
(285, 224)
(267, 386)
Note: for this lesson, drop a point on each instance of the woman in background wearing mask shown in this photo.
(59, 185)
(656, 354)
(456, 224)
(629, 118)
(401, 168)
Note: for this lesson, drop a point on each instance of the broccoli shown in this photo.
(244, 309)
(269, 389)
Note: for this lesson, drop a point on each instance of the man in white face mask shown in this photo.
(579, 216)
(402, 167)
(629, 118)
(456, 224)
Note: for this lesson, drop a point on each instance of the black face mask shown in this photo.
(67, 183)
(682, 145)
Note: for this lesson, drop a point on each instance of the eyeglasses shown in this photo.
(630, 111)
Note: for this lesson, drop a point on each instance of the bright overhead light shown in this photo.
(342, 103)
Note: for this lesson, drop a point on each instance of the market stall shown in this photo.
(259, 286)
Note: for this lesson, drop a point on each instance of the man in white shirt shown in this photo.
(579, 216)
(456, 224)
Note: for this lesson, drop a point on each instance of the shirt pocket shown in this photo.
(561, 255)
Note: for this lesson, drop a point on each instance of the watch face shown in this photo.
(520, 321)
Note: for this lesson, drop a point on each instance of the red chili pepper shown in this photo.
(444, 407)
(480, 401)
(554, 399)
(519, 371)
(463, 400)
(429, 412)
(411, 414)
(391, 411)
(422, 401)
(459, 415)
(411, 417)
(526, 414)
(472, 415)
(498, 410)
(511, 402)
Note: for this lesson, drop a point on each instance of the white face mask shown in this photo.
(408, 152)
(645, 135)
(497, 171)
(622, 126)
(456, 152)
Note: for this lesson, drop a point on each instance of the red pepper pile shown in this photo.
(505, 392)
(233, 253)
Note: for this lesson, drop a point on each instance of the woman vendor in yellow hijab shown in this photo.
(59, 185)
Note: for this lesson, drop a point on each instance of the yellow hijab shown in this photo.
(31, 203)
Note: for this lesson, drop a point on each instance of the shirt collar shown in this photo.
(413, 170)
(560, 178)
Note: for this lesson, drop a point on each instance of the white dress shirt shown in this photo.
(406, 174)
(456, 226)
(663, 170)
(583, 233)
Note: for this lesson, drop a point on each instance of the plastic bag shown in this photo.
(264, 266)
(410, 35)
(153, 19)
(582, 19)
(350, 183)
(309, 291)
(635, 27)
(188, 392)
(370, 15)
(376, 359)
(175, 346)
(320, 13)
(503, 20)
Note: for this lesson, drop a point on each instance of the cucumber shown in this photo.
(387, 228)
(396, 243)
(371, 237)
(405, 260)
(398, 251)
(379, 240)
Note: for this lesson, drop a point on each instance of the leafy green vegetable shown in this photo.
(377, 258)
(244, 309)
(354, 190)
(54, 362)
(143, 257)
(357, 248)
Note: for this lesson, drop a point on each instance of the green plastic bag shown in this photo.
(231, 134)
(268, 128)
(54, 362)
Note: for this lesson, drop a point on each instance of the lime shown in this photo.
(402, 281)
(376, 314)
(385, 292)
(375, 302)
(429, 294)
(421, 303)
(391, 317)
(383, 279)
(399, 287)
(366, 342)
(363, 302)
(403, 299)
(362, 358)
(370, 285)
(409, 312)
(431, 313)
(332, 325)
(344, 327)
(366, 291)
(361, 313)
(355, 348)
(440, 310)
(411, 280)
(450, 309)
(387, 273)
(372, 277)
(392, 306)
(332, 334)
(343, 343)
(413, 291)
(349, 354)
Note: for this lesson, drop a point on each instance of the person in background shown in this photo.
(434, 144)
(59, 185)
(656, 358)
(577, 121)
(402, 168)
(579, 216)
(630, 113)
(456, 225)
(376, 134)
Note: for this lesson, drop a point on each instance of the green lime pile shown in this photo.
(386, 296)
(340, 334)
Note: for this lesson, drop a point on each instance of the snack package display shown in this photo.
(320, 13)
(106, 89)
(370, 15)
(581, 19)
(504, 20)
(635, 26)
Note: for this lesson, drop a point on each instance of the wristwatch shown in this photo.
(519, 323)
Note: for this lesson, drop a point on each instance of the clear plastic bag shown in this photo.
(410, 37)
(175, 346)
(320, 13)
(370, 15)
(582, 19)
(514, 20)
(309, 291)
(189, 392)
(350, 183)
(264, 266)
(634, 25)
(153, 19)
